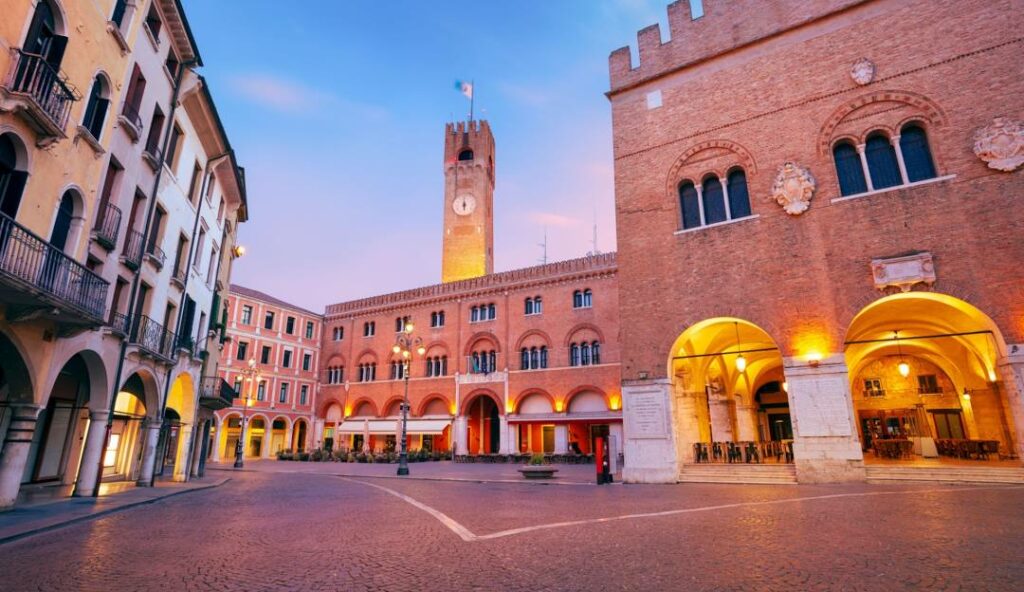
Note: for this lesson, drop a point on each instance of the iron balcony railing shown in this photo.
(34, 76)
(118, 323)
(215, 387)
(132, 253)
(157, 254)
(153, 337)
(34, 264)
(108, 223)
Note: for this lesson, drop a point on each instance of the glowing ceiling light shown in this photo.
(741, 363)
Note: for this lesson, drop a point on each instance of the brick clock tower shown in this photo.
(468, 250)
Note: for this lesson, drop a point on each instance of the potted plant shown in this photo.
(536, 469)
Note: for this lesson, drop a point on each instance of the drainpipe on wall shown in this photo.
(136, 276)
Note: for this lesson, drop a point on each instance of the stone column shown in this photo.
(15, 452)
(650, 444)
(318, 434)
(461, 435)
(151, 437)
(268, 438)
(1011, 370)
(504, 441)
(561, 438)
(826, 445)
(513, 434)
(220, 433)
(721, 419)
(198, 448)
(746, 423)
(88, 472)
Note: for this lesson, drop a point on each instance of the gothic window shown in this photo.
(96, 107)
(369, 328)
(849, 169)
(582, 298)
(12, 180)
(882, 164)
(595, 352)
(524, 359)
(574, 354)
(400, 323)
(474, 314)
(584, 354)
(714, 201)
(437, 319)
(917, 157)
(739, 198)
(492, 311)
(528, 306)
(689, 205)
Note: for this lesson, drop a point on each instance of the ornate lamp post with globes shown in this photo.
(404, 346)
(251, 374)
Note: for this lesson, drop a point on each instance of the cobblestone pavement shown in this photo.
(308, 531)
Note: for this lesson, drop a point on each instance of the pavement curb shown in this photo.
(106, 512)
(412, 478)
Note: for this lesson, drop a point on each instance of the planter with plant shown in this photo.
(536, 469)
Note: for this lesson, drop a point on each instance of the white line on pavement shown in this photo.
(468, 536)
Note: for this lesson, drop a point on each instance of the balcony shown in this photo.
(108, 223)
(215, 393)
(156, 256)
(178, 276)
(118, 324)
(131, 121)
(38, 280)
(153, 157)
(483, 377)
(152, 338)
(132, 254)
(40, 94)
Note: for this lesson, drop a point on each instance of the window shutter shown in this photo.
(11, 198)
(56, 53)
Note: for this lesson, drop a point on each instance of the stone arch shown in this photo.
(534, 392)
(147, 381)
(181, 396)
(99, 389)
(359, 405)
(335, 360)
(481, 336)
(580, 327)
(326, 402)
(427, 403)
(533, 333)
(927, 109)
(22, 155)
(582, 389)
(437, 348)
(367, 356)
(395, 402)
(481, 392)
(287, 420)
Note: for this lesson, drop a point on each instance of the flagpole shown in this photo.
(472, 95)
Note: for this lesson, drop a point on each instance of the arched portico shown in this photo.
(300, 435)
(482, 427)
(18, 414)
(176, 430)
(925, 381)
(134, 431)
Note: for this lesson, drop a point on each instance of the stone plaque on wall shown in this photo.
(903, 272)
(645, 415)
(822, 408)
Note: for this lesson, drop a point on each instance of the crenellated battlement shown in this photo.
(724, 25)
(469, 135)
(589, 266)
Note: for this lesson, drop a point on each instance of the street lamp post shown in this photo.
(404, 346)
(252, 374)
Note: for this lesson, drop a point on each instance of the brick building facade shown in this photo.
(522, 360)
(817, 222)
(282, 342)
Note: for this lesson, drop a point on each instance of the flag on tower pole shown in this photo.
(466, 88)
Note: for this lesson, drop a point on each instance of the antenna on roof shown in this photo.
(593, 243)
(544, 246)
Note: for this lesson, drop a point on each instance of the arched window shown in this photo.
(42, 38)
(96, 108)
(537, 305)
(689, 205)
(917, 157)
(588, 298)
(739, 198)
(574, 355)
(714, 201)
(882, 164)
(577, 299)
(595, 352)
(466, 155)
(524, 359)
(534, 358)
(492, 361)
(62, 225)
(543, 356)
(492, 312)
(849, 169)
(585, 354)
(474, 314)
(12, 181)
(528, 306)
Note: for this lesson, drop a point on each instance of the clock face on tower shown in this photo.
(464, 204)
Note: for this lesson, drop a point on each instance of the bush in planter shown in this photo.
(361, 457)
(435, 456)
(303, 456)
(351, 457)
(536, 460)
(316, 455)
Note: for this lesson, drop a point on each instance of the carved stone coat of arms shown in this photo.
(1001, 144)
(793, 188)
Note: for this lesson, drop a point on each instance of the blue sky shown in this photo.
(337, 110)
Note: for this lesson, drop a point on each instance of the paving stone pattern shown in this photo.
(264, 531)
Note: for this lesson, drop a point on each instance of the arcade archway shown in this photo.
(483, 425)
(924, 383)
(728, 381)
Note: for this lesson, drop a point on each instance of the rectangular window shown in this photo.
(199, 249)
(265, 355)
(174, 148)
(287, 362)
(156, 128)
(873, 387)
(303, 394)
(289, 325)
(268, 320)
(928, 384)
(193, 184)
(238, 386)
(369, 329)
(261, 391)
(153, 21)
(283, 397)
(307, 361)
(309, 329)
(339, 333)
(246, 314)
(243, 349)
(172, 64)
